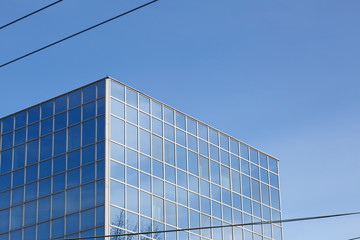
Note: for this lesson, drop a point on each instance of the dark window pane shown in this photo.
(88, 132)
(44, 209)
(19, 156)
(20, 119)
(8, 124)
(100, 135)
(60, 104)
(88, 173)
(89, 93)
(5, 182)
(58, 204)
(75, 98)
(33, 114)
(73, 178)
(100, 150)
(59, 182)
(59, 164)
(100, 106)
(46, 126)
(46, 147)
(88, 154)
(101, 89)
(31, 173)
(74, 116)
(33, 131)
(7, 140)
(44, 187)
(59, 142)
(89, 110)
(45, 169)
(74, 136)
(73, 159)
(18, 178)
(6, 161)
(47, 109)
(60, 121)
(87, 196)
(32, 153)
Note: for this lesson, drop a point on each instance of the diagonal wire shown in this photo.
(28, 15)
(354, 238)
(223, 226)
(78, 33)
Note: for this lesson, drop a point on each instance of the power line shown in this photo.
(78, 33)
(354, 238)
(223, 226)
(28, 15)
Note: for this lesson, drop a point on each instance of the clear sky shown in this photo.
(280, 75)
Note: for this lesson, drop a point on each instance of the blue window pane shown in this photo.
(117, 193)
(88, 132)
(214, 153)
(59, 164)
(30, 233)
(4, 199)
(7, 140)
(117, 90)
(46, 147)
(57, 227)
(170, 192)
(60, 104)
(205, 188)
(73, 159)
(158, 169)
(275, 198)
(100, 212)
(169, 153)
(244, 151)
(192, 143)
(144, 103)
(145, 146)
(263, 160)
(145, 182)
(19, 157)
(236, 201)
(33, 131)
(16, 217)
(144, 120)
(33, 114)
(30, 213)
(30, 191)
(205, 205)
(226, 196)
(32, 153)
(75, 98)
(43, 231)
(117, 108)
(182, 196)
(72, 223)
(88, 173)
(8, 124)
(132, 196)
(181, 158)
(180, 120)
(87, 195)
(58, 204)
(204, 167)
(170, 174)
(273, 165)
(132, 158)
(45, 169)
(216, 209)
(194, 201)
(193, 183)
(89, 93)
(145, 202)
(74, 136)
(5, 182)
(274, 180)
(254, 156)
(100, 150)
(215, 192)
(245, 167)
(60, 121)
(169, 132)
(100, 128)
(181, 178)
(191, 126)
(193, 162)
(225, 158)
(17, 195)
(117, 130)
(117, 218)
(131, 115)
(215, 172)
(59, 142)
(89, 110)
(101, 89)
(203, 148)
(131, 97)
(88, 154)
(87, 219)
(183, 218)
(247, 205)
(180, 137)
(117, 171)
(157, 147)
(245, 185)
(73, 200)
(234, 146)
(235, 181)
(255, 189)
(117, 152)
(132, 177)
(73, 178)
(157, 126)
(44, 187)
(100, 192)
(264, 175)
(74, 116)
(46, 126)
(20, 136)
(156, 109)
(225, 177)
(235, 162)
(18, 177)
(158, 187)
(4, 224)
(169, 115)
(131, 136)
(158, 209)
(47, 109)
(6, 161)
(59, 182)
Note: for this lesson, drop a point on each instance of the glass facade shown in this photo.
(52, 168)
(169, 171)
(107, 159)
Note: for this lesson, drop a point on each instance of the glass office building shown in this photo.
(106, 159)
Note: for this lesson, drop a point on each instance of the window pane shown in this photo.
(117, 130)
(117, 90)
(131, 97)
(131, 136)
(144, 103)
(75, 98)
(180, 121)
(157, 147)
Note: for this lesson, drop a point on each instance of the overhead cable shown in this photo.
(28, 15)
(222, 226)
(78, 33)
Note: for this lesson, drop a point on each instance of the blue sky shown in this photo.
(282, 76)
